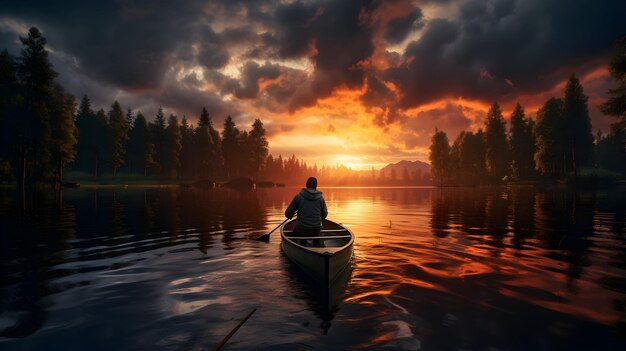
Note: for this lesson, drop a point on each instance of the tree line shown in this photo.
(166, 148)
(294, 171)
(558, 144)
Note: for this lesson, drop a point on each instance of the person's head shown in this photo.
(311, 183)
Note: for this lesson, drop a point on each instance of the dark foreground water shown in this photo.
(433, 269)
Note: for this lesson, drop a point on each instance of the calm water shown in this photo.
(433, 269)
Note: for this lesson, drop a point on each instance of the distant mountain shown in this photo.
(411, 166)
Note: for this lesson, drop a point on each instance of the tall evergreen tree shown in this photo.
(259, 147)
(496, 145)
(472, 157)
(140, 148)
(171, 158)
(551, 139)
(611, 149)
(64, 134)
(243, 156)
(205, 146)
(187, 166)
(84, 119)
(578, 127)
(93, 138)
(439, 156)
(157, 135)
(230, 147)
(36, 76)
(522, 143)
(118, 130)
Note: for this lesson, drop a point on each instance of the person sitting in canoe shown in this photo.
(311, 208)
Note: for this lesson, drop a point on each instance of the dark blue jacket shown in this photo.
(311, 208)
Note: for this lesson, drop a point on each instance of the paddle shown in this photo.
(219, 346)
(266, 237)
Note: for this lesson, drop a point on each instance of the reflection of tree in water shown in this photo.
(523, 215)
(561, 220)
(611, 215)
(565, 220)
(36, 235)
(440, 213)
(240, 210)
(496, 210)
(109, 223)
(472, 213)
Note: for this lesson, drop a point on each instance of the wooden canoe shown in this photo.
(323, 257)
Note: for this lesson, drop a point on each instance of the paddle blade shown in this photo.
(264, 237)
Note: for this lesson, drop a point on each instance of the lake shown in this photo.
(433, 269)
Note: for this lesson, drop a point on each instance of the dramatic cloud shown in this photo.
(362, 72)
(505, 47)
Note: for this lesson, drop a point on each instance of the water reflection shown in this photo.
(504, 268)
(323, 301)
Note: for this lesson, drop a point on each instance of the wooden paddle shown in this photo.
(232, 332)
(266, 237)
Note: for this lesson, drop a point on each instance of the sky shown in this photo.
(358, 83)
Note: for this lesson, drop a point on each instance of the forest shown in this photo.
(558, 145)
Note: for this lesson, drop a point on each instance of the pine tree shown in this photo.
(36, 76)
(205, 146)
(522, 143)
(496, 145)
(84, 117)
(187, 166)
(140, 149)
(472, 157)
(157, 135)
(100, 142)
(439, 156)
(172, 148)
(64, 134)
(578, 127)
(259, 147)
(119, 135)
(551, 139)
(230, 147)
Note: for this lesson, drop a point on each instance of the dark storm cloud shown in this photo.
(295, 33)
(9, 41)
(335, 36)
(449, 118)
(213, 53)
(398, 28)
(487, 49)
(532, 44)
(281, 90)
(429, 75)
(125, 44)
(189, 101)
(248, 86)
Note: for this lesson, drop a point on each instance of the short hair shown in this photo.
(311, 183)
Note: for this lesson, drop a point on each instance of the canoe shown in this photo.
(323, 257)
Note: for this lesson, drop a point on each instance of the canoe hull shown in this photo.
(324, 264)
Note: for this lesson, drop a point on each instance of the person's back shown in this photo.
(311, 208)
